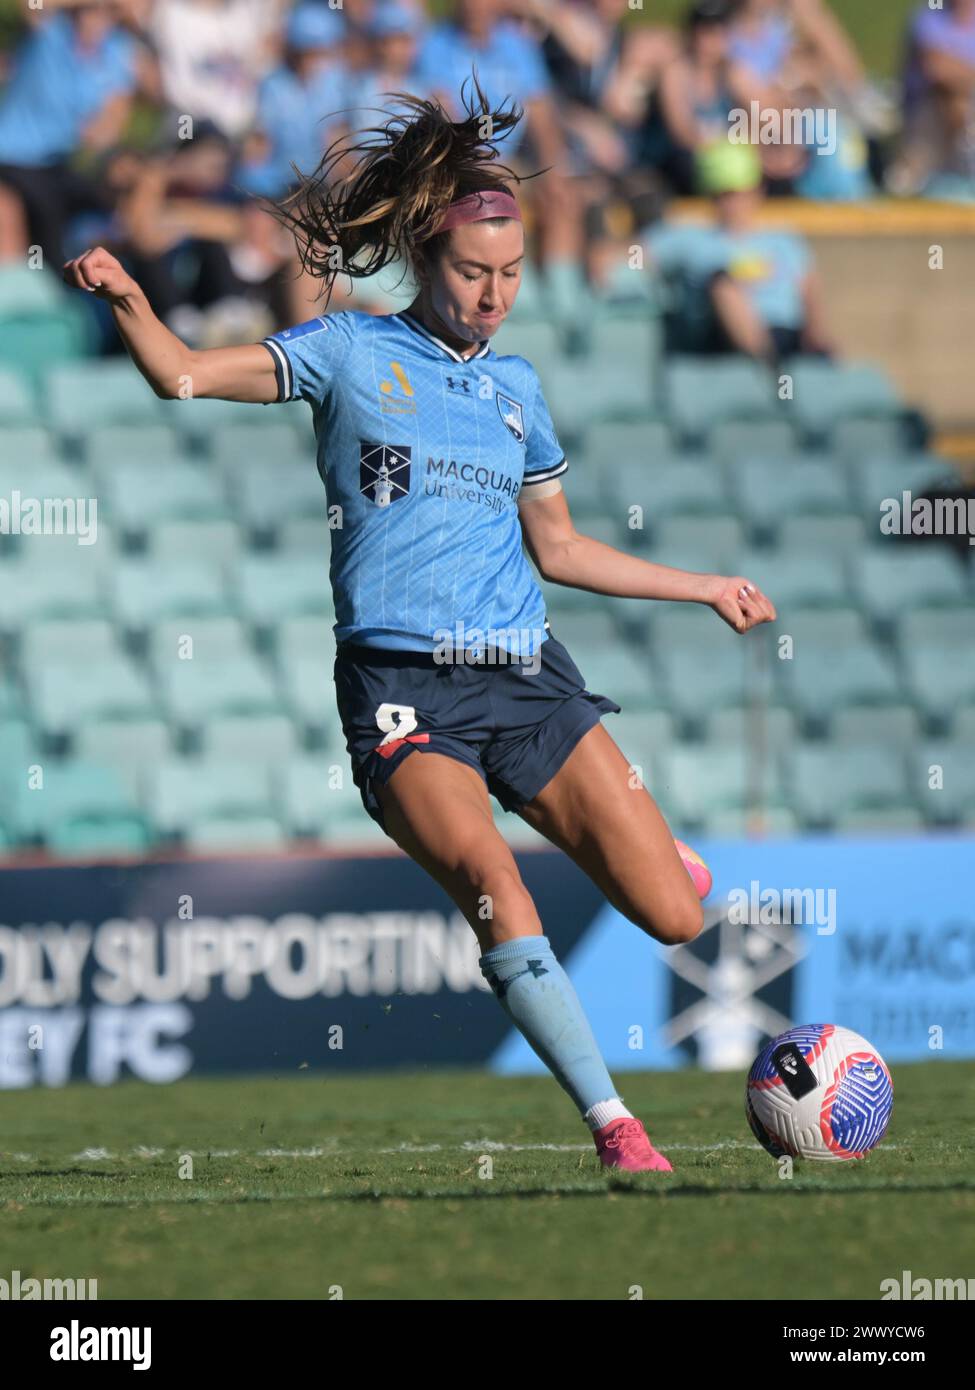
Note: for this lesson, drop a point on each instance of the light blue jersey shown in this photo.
(425, 455)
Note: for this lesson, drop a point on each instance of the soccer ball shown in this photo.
(819, 1091)
(696, 867)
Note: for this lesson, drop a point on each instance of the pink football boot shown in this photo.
(696, 867)
(626, 1144)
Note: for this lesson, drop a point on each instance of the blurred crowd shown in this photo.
(156, 126)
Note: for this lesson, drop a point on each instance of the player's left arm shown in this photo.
(563, 556)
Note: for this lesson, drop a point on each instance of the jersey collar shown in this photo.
(484, 347)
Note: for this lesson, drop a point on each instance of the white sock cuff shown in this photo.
(605, 1110)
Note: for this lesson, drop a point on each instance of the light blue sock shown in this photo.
(538, 997)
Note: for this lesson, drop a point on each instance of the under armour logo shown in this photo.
(501, 987)
(461, 384)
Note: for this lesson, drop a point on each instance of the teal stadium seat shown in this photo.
(63, 643)
(193, 692)
(760, 729)
(17, 405)
(71, 792)
(695, 682)
(895, 726)
(702, 394)
(582, 632)
(64, 697)
(950, 625)
(213, 639)
(234, 835)
(793, 579)
(665, 488)
(83, 395)
(269, 739)
(621, 674)
(831, 537)
(739, 441)
(132, 748)
(698, 779)
(145, 591)
(826, 392)
(768, 490)
(819, 683)
(31, 592)
(185, 791)
(896, 577)
(235, 453)
(29, 446)
(949, 802)
(939, 680)
(106, 447)
(826, 782)
(178, 541)
(267, 496)
(139, 496)
(876, 479)
(272, 587)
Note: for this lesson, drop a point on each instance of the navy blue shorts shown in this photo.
(513, 724)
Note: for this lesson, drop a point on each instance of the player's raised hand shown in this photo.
(741, 603)
(99, 272)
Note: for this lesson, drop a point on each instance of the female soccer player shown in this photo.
(444, 462)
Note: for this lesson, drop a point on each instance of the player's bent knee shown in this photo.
(673, 926)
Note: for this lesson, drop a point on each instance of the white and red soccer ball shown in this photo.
(819, 1091)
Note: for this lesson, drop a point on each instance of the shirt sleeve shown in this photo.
(308, 358)
(544, 456)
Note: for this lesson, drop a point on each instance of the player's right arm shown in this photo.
(172, 369)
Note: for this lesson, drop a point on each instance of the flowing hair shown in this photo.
(404, 175)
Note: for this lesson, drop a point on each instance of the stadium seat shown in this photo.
(896, 577)
(874, 479)
(83, 395)
(131, 747)
(31, 343)
(701, 394)
(698, 779)
(741, 441)
(88, 837)
(880, 820)
(818, 632)
(145, 591)
(757, 728)
(612, 444)
(620, 674)
(71, 791)
(29, 446)
(39, 478)
(946, 803)
(818, 687)
(234, 834)
(307, 535)
(897, 726)
(695, 684)
(830, 537)
(585, 490)
(826, 782)
(106, 447)
(200, 420)
(949, 625)
(65, 698)
(674, 625)
(268, 739)
(768, 490)
(306, 638)
(59, 643)
(194, 691)
(751, 823)
(139, 496)
(267, 496)
(827, 392)
(793, 579)
(281, 442)
(315, 792)
(184, 791)
(272, 587)
(176, 542)
(641, 736)
(213, 639)
(939, 680)
(668, 488)
(32, 592)
(24, 291)
(17, 406)
(721, 535)
(856, 439)
(582, 632)
(963, 724)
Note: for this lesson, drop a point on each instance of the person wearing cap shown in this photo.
(746, 287)
(300, 104)
(392, 39)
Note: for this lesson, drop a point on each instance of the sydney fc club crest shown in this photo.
(512, 415)
(384, 472)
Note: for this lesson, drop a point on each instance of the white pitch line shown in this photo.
(333, 1151)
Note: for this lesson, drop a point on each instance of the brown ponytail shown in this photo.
(404, 175)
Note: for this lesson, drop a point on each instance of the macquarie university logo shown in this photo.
(384, 472)
(512, 415)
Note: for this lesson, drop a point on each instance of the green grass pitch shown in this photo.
(378, 1185)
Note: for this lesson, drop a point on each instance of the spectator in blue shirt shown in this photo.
(300, 103)
(71, 88)
(508, 63)
(744, 287)
(939, 101)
